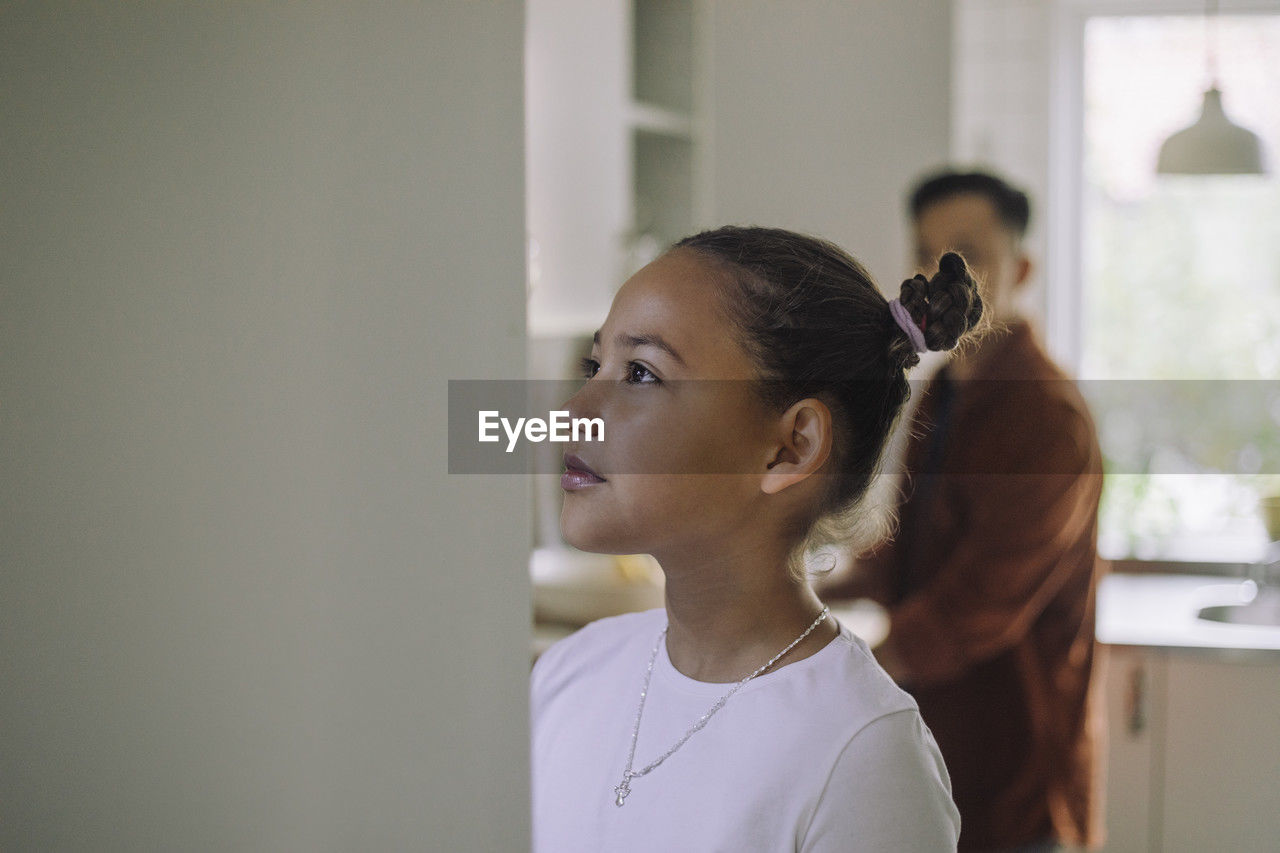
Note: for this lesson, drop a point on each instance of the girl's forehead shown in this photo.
(672, 285)
(678, 297)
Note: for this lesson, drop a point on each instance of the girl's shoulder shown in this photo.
(604, 636)
(607, 640)
(849, 683)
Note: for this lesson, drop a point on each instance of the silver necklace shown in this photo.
(624, 788)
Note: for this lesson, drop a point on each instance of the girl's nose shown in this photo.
(586, 402)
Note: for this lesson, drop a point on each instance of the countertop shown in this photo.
(1161, 611)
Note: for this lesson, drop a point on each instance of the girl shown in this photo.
(748, 380)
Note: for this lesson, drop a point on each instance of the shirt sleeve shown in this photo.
(1026, 513)
(889, 791)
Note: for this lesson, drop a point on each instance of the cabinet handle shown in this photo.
(1135, 703)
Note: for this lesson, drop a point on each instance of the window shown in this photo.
(1181, 279)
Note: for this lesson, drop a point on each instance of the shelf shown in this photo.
(663, 52)
(660, 120)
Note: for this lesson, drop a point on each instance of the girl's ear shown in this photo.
(803, 446)
(1023, 270)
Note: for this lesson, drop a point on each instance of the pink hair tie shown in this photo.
(903, 318)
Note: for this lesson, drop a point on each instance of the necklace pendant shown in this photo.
(622, 791)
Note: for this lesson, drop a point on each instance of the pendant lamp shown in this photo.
(1213, 145)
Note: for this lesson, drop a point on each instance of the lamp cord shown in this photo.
(1211, 41)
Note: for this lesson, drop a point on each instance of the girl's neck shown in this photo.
(730, 615)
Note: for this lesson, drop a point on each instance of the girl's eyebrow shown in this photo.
(647, 339)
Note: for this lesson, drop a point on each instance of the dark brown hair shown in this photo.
(815, 324)
(1011, 204)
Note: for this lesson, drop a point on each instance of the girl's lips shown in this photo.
(577, 475)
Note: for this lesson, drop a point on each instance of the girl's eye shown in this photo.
(638, 374)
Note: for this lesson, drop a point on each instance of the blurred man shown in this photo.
(990, 581)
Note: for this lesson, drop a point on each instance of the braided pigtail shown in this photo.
(937, 313)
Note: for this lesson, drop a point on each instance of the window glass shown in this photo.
(1182, 280)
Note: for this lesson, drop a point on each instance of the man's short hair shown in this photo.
(1011, 204)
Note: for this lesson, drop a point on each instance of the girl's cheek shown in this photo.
(635, 446)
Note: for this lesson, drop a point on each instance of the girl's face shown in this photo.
(685, 436)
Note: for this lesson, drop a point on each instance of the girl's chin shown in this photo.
(593, 540)
(604, 526)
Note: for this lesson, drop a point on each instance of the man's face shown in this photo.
(968, 224)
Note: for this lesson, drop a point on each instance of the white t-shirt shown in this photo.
(825, 754)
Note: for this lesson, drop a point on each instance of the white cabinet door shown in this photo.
(577, 88)
(1134, 687)
(1221, 773)
(1193, 762)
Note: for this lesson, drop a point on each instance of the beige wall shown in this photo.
(242, 606)
(822, 113)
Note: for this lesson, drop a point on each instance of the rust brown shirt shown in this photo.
(990, 585)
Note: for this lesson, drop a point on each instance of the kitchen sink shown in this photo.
(1263, 609)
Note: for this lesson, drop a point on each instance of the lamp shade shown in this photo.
(1214, 145)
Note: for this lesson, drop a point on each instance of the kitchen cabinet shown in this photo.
(1133, 676)
(613, 141)
(1194, 751)
(1221, 775)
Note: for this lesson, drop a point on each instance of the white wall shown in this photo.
(822, 114)
(242, 605)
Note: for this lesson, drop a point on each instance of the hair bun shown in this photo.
(947, 306)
